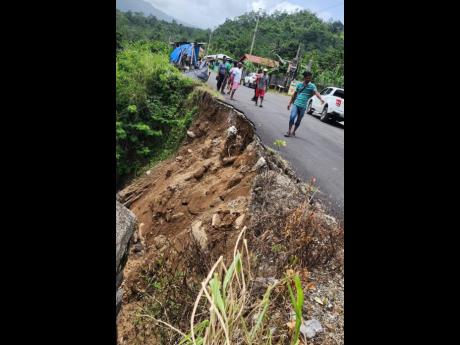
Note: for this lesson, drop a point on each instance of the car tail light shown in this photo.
(338, 102)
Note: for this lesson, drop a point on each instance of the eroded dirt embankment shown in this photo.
(190, 210)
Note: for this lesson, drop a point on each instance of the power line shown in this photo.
(324, 9)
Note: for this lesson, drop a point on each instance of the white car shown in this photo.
(333, 104)
(250, 80)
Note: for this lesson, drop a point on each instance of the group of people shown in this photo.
(230, 77)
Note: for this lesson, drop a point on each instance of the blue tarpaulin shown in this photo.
(189, 49)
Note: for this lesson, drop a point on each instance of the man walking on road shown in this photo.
(303, 92)
(261, 86)
(223, 72)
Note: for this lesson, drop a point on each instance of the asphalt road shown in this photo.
(316, 151)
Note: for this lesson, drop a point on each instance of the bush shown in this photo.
(151, 113)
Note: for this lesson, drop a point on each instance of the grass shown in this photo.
(233, 316)
(279, 143)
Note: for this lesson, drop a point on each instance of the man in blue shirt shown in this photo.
(222, 74)
(303, 92)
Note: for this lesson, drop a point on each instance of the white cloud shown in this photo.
(259, 4)
(286, 6)
(209, 13)
(325, 15)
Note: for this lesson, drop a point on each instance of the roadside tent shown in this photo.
(189, 48)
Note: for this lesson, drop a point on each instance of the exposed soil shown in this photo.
(191, 208)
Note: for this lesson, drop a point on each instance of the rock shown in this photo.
(330, 220)
(235, 180)
(260, 163)
(231, 131)
(189, 151)
(310, 328)
(188, 177)
(260, 284)
(199, 173)
(138, 247)
(228, 160)
(126, 224)
(199, 234)
(191, 134)
(160, 241)
(119, 299)
(119, 278)
(215, 220)
(207, 165)
(177, 216)
(244, 169)
(215, 142)
(251, 146)
(148, 172)
(179, 158)
(304, 188)
(239, 221)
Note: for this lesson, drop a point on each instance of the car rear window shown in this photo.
(339, 93)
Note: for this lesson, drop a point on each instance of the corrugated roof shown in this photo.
(260, 60)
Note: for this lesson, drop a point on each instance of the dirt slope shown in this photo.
(190, 210)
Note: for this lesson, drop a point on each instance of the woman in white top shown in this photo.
(237, 72)
(230, 78)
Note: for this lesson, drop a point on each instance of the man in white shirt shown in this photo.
(237, 72)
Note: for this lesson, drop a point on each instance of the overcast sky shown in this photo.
(209, 13)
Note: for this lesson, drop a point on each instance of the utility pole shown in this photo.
(254, 36)
(297, 62)
(209, 43)
(294, 67)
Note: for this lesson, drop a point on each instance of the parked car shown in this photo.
(250, 80)
(333, 108)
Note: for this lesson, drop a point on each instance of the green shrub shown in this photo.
(151, 113)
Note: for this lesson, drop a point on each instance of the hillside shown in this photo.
(135, 26)
(146, 8)
(278, 33)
